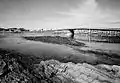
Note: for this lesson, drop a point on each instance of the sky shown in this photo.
(56, 14)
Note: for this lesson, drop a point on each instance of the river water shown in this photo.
(52, 51)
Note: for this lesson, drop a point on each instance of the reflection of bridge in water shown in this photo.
(90, 31)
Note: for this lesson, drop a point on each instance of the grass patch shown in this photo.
(55, 40)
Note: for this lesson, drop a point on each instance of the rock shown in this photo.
(106, 67)
(13, 70)
(77, 73)
(116, 69)
(2, 65)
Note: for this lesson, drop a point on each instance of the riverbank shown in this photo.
(55, 40)
(17, 67)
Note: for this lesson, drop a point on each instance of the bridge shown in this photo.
(91, 30)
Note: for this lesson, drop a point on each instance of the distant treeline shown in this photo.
(13, 29)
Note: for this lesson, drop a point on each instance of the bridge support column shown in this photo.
(72, 33)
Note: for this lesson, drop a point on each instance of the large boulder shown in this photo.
(76, 73)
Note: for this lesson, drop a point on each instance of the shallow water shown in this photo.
(44, 50)
(52, 51)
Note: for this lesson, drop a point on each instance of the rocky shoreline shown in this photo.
(18, 68)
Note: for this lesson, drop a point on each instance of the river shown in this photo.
(53, 51)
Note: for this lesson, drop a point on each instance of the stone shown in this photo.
(2, 65)
(13, 70)
(78, 73)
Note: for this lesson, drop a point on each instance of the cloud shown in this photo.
(13, 12)
(109, 4)
(114, 22)
(89, 14)
(60, 13)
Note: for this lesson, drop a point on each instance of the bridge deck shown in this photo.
(89, 29)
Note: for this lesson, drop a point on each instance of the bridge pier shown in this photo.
(72, 33)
